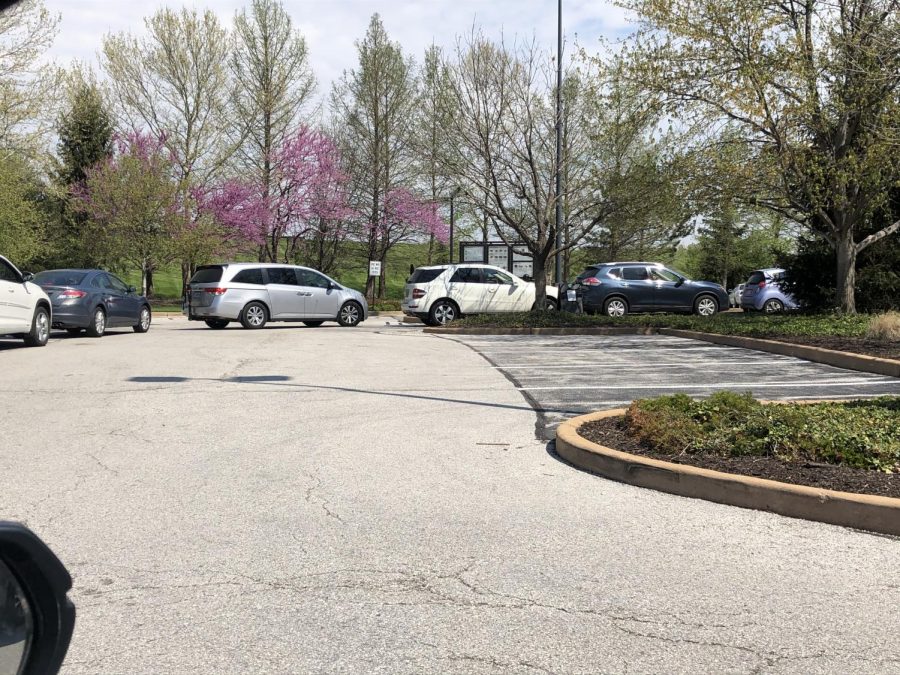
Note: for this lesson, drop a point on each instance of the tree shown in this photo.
(805, 94)
(273, 82)
(85, 131)
(27, 90)
(374, 108)
(174, 82)
(21, 218)
(133, 200)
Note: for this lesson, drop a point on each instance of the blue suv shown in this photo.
(617, 288)
(763, 292)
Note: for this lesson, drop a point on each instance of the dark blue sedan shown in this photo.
(93, 301)
(620, 288)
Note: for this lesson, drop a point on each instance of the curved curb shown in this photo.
(830, 357)
(864, 512)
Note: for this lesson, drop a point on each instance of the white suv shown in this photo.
(439, 294)
(24, 307)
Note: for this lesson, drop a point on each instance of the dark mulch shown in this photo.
(855, 345)
(612, 433)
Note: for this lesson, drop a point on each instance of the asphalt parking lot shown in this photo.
(564, 376)
(374, 500)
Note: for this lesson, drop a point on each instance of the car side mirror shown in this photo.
(27, 276)
(36, 616)
(132, 289)
(680, 282)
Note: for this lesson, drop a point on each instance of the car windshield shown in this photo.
(756, 278)
(59, 278)
(423, 275)
(588, 272)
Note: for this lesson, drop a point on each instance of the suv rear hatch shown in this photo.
(418, 281)
(207, 277)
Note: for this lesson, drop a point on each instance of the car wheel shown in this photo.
(313, 324)
(773, 306)
(706, 305)
(615, 307)
(73, 331)
(350, 314)
(143, 324)
(40, 328)
(216, 324)
(254, 316)
(97, 327)
(443, 312)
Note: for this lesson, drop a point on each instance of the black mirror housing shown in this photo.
(132, 289)
(44, 582)
(27, 276)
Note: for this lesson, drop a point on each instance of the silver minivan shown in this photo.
(256, 293)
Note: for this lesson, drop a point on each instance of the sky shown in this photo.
(332, 26)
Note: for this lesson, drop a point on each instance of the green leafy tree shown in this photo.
(273, 84)
(374, 108)
(85, 132)
(27, 89)
(133, 202)
(22, 220)
(804, 95)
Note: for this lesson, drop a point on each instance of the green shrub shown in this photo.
(861, 434)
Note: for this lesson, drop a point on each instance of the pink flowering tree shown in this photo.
(404, 218)
(133, 207)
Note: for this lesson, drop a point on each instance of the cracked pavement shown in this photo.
(299, 500)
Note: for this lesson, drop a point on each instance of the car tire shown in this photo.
(40, 328)
(313, 324)
(443, 312)
(216, 324)
(144, 319)
(350, 314)
(74, 332)
(706, 305)
(615, 307)
(773, 306)
(97, 327)
(254, 316)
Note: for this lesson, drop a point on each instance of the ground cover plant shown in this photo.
(852, 446)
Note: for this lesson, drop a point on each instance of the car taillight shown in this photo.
(215, 291)
(71, 294)
(762, 284)
(592, 281)
(418, 293)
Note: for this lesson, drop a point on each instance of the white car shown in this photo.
(439, 294)
(734, 298)
(24, 307)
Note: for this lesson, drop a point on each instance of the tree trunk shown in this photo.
(846, 272)
(540, 282)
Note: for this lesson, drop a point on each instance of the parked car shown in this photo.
(618, 288)
(763, 292)
(256, 293)
(440, 294)
(734, 297)
(25, 309)
(93, 301)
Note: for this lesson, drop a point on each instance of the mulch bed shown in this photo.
(612, 433)
(855, 345)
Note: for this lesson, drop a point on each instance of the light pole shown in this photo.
(559, 214)
(453, 195)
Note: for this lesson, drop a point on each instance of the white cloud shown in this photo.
(332, 26)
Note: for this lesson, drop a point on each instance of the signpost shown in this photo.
(374, 271)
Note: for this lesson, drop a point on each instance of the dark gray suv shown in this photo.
(617, 288)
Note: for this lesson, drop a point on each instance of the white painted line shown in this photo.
(724, 385)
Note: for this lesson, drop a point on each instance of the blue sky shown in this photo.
(332, 26)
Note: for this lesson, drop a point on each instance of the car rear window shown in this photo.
(249, 276)
(207, 275)
(755, 278)
(588, 272)
(424, 275)
(59, 278)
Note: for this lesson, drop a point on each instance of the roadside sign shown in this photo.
(374, 268)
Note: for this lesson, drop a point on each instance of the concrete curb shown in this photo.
(831, 357)
(585, 330)
(875, 514)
